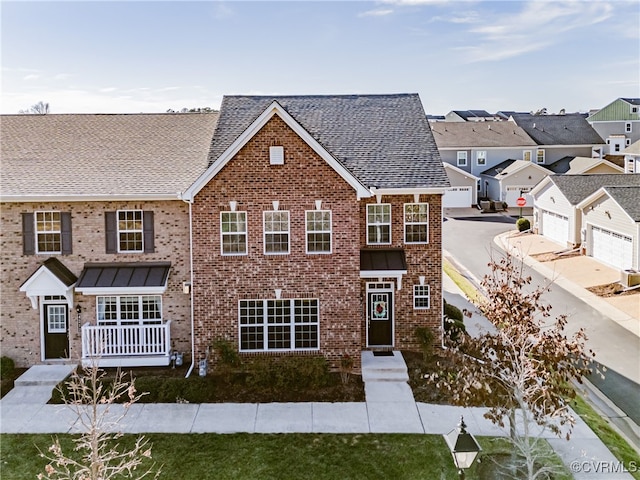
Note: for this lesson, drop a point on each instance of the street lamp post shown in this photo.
(464, 447)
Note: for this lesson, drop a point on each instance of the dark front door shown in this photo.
(379, 318)
(56, 331)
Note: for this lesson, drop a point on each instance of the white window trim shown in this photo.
(404, 209)
(422, 296)
(461, 160)
(128, 322)
(538, 152)
(265, 325)
(57, 327)
(118, 231)
(390, 224)
(628, 126)
(265, 233)
(307, 232)
(481, 155)
(525, 153)
(229, 234)
(47, 232)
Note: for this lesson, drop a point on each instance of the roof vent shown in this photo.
(276, 155)
(534, 124)
(489, 127)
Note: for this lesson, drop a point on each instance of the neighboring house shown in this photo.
(558, 136)
(618, 124)
(317, 226)
(556, 213)
(632, 158)
(611, 219)
(464, 188)
(511, 180)
(474, 147)
(470, 116)
(95, 242)
(578, 165)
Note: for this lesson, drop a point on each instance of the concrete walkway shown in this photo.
(389, 408)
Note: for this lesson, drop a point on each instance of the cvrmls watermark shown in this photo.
(601, 466)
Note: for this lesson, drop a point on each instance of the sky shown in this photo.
(147, 56)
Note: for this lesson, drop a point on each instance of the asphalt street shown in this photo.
(469, 240)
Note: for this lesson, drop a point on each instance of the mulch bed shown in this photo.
(612, 290)
(552, 257)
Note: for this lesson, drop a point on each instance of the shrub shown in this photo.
(289, 372)
(425, 337)
(453, 312)
(227, 352)
(523, 224)
(7, 367)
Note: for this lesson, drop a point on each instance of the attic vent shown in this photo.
(499, 170)
(276, 155)
(489, 127)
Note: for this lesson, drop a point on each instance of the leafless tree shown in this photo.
(39, 108)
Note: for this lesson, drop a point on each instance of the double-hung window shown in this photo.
(416, 223)
(129, 310)
(48, 232)
(421, 297)
(628, 127)
(318, 231)
(462, 158)
(526, 155)
(291, 324)
(276, 232)
(130, 233)
(379, 224)
(481, 157)
(540, 155)
(233, 227)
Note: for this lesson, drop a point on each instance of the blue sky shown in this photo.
(113, 57)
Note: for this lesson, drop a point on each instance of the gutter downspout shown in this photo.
(193, 338)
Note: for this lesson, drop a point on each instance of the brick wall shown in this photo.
(20, 324)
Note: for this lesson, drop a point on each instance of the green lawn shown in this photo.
(275, 456)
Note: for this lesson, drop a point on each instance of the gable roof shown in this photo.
(448, 166)
(633, 149)
(384, 141)
(474, 134)
(575, 165)
(94, 156)
(625, 196)
(509, 167)
(568, 129)
(472, 114)
(578, 187)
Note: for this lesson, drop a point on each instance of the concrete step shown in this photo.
(44, 375)
(383, 368)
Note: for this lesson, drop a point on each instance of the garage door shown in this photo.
(555, 227)
(611, 248)
(514, 192)
(457, 197)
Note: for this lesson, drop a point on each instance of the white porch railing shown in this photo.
(127, 345)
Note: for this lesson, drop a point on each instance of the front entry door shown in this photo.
(379, 318)
(56, 331)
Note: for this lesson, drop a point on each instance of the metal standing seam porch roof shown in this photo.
(145, 277)
(376, 263)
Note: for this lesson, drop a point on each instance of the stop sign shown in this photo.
(521, 201)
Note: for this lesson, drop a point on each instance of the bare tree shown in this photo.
(524, 370)
(39, 108)
(101, 456)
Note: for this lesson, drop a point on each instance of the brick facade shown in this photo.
(20, 334)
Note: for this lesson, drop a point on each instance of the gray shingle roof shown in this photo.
(383, 140)
(632, 101)
(569, 129)
(628, 198)
(480, 134)
(92, 155)
(467, 114)
(578, 187)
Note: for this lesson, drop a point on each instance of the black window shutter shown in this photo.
(28, 234)
(65, 226)
(111, 229)
(148, 230)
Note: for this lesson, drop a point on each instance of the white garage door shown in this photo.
(555, 227)
(612, 248)
(514, 192)
(457, 197)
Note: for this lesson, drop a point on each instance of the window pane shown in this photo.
(252, 338)
(276, 232)
(416, 223)
(279, 337)
(48, 232)
(130, 232)
(152, 308)
(379, 224)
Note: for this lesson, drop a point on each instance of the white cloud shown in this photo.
(31, 76)
(376, 13)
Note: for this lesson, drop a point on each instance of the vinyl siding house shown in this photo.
(557, 215)
(558, 136)
(317, 226)
(578, 165)
(511, 180)
(632, 158)
(95, 242)
(618, 124)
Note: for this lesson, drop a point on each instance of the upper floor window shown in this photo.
(634, 109)
(416, 222)
(318, 228)
(129, 231)
(481, 157)
(129, 310)
(462, 159)
(46, 232)
(276, 232)
(526, 155)
(616, 147)
(627, 127)
(379, 224)
(540, 156)
(233, 228)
